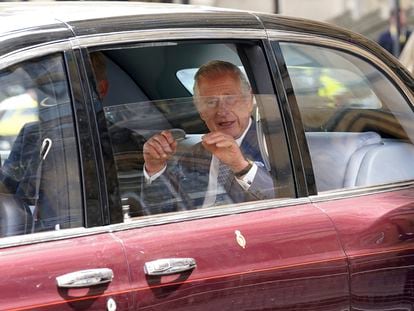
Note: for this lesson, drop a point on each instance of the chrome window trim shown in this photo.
(168, 34)
(164, 219)
(294, 37)
(33, 52)
(346, 193)
(147, 221)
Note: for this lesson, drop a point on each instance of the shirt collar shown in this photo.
(240, 139)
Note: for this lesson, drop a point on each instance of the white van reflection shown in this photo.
(15, 111)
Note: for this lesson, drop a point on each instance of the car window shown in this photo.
(159, 100)
(359, 128)
(39, 174)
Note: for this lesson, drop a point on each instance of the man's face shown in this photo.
(223, 106)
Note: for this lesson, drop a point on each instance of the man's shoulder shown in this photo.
(31, 127)
(31, 131)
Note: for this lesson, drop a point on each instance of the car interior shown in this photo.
(359, 130)
(359, 135)
(146, 96)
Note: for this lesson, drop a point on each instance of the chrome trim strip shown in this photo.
(161, 219)
(34, 51)
(169, 34)
(287, 36)
(356, 192)
(210, 212)
(141, 222)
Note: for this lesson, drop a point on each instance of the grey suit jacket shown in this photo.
(183, 186)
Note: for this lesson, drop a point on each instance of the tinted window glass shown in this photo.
(40, 185)
(157, 105)
(359, 128)
(184, 184)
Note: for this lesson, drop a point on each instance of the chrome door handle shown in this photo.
(169, 266)
(85, 278)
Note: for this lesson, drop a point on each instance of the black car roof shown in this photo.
(16, 16)
(24, 24)
(100, 16)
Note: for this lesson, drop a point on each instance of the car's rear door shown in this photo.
(278, 254)
(357, 115)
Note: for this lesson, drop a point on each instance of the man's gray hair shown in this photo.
(218, 67)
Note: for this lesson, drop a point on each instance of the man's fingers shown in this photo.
(160, 146)
(225, 144)
(215, 137)
(168, 136)
(219, 140)
(224, 147)
(153, 150)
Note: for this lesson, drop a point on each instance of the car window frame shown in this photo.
(303, 156)
(81, 126)
(230, 35)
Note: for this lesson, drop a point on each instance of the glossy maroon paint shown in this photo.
(377, 232)
(29, 275)
(292, 259)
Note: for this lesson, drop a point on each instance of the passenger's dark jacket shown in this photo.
(37, 181)
(387, 42)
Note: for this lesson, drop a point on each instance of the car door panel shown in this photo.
(377, 234)
(330, 83)
(286, 262)
(31, 271)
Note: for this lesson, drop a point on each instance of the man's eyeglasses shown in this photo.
(212, 102)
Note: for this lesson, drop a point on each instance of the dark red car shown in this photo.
(335, 126)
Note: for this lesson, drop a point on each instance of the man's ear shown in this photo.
(103, 87)
(202, 116)
(251, 101)
(198, 107)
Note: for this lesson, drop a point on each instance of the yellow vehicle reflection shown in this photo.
(16, 111)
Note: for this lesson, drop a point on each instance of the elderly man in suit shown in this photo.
(226, 166)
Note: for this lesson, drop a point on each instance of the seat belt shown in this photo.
(261, 140)
(44, 151)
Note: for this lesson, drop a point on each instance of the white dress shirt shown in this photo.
(245, 181)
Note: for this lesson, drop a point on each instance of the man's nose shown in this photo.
(222, 106)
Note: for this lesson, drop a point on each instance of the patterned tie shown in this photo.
(223, 184)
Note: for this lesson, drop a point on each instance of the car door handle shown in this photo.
(169, 266)
(85, 278)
